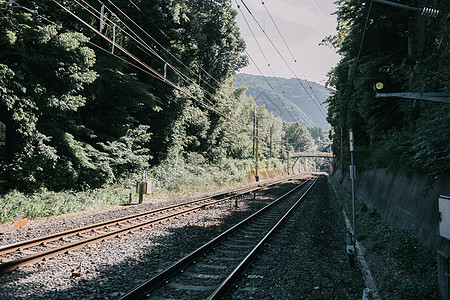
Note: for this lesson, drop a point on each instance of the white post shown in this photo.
(114, 39)
(352, 176)
(102, 12)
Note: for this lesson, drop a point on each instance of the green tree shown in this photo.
(408, 52)
(44, 73)
(298, 137)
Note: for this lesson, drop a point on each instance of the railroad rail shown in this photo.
(28, 252)
(210, 271)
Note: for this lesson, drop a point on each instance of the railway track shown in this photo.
(210, 271)
(28, 252)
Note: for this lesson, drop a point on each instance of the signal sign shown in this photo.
(379, 86)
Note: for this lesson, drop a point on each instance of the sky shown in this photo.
(303, 24)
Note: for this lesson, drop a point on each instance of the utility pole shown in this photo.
(256, 148)
(342, 153)
(254, 131)
(287, 158)
(270, 149)
(281, 149)
(351, 248)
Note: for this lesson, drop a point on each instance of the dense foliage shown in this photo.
(80, 114)
(408, 52)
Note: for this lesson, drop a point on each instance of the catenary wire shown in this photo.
(143, 44)
(201, 68)
(282, 57)
(289, 49)
(158, 76)
(260, 48)
(155, 41)
(361, 45)
(150, 20)
(268, 83)
(168, 52)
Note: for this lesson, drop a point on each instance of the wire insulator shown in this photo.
(9, 4)
(430, 12)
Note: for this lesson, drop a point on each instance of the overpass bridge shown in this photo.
(298, 155)
(312, 154)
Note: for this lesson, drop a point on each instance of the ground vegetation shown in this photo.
(93, 94)
(404, 51)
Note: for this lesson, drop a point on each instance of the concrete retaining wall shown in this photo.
(405, 202)
(408, 202)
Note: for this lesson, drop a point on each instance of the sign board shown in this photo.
(144, 187)
(2, 134)
(444, 217)
(350, 133)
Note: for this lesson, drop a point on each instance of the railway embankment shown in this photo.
(409, 202)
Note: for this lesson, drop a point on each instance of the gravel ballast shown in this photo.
(108, 269)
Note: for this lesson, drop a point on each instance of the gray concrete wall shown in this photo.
(408, 202)
(405, 202)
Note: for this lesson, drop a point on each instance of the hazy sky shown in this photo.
(303, 24)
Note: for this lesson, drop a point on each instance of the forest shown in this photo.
(92, 93)
(407, 52)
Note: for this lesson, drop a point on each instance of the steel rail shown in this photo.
(165, 275)
(227, 284)
(11, 265)
(4, 249)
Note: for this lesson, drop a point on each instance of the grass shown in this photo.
(169, 181)
(16, 205)
(414, 264)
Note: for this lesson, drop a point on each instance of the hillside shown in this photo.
(295, 101)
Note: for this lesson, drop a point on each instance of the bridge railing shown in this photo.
(312, 154)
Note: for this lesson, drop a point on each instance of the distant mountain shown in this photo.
(293, 102)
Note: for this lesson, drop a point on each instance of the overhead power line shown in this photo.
(270, 85)
(171, 55)
(134, 36)
(260, 48)
(289, 49)
(282, 57)
(426, 11)
(361, 46)
(201, 68)
(145, 66)
(262, 74)
(150, 20)
(155, 41)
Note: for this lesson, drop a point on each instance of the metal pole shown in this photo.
(351, 248)
(270, 150)
(254, 131)
(353, 185)
(287, 155)
(353, 198)
(342, 153)
(256, 150)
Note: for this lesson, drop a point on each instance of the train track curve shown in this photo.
(210, 271)
(28, 252)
